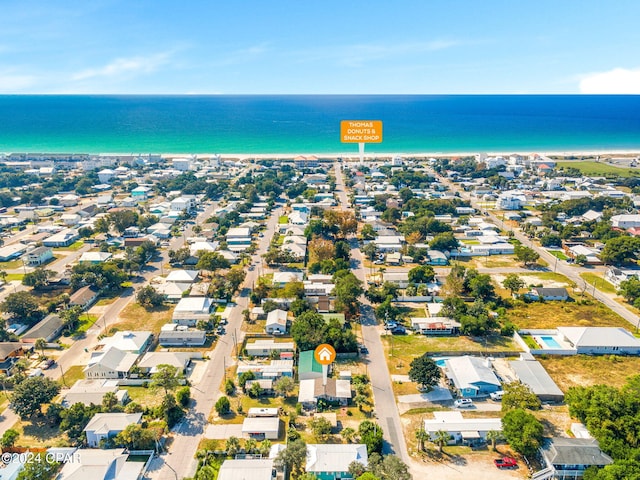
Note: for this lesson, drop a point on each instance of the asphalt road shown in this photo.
(179, 462)
(385, 402)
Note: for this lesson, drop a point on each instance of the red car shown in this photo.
(505, 462)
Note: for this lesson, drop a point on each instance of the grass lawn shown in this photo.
(72, 375)
(402, 349)
(593, 168)
(14, 276)
(600, 283)
(554, 314)
(558, 254)
(39, 433)
(11, 264)
(103, 302)
(548, 276)
(147, 397)
(86, 321)
(283, 219)
(588, 370)
(75, 246)
(136, 317)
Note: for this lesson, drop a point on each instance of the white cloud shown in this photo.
(357, 55)
(616, 81)
(126, 66)
(12, 82)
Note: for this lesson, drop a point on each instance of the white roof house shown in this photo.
(601, 340)
(472, 376)
(183, 276)
(94, 257)
(461, 428)
(261, 427)
(127, 341)
(151, 360)
(246, 469)
(113, 363)
(107, 425)
(280, 278)
(191, 309)
(334, 458)
(97, 464)
(276, 322)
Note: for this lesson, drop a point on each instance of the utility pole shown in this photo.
(63, 379)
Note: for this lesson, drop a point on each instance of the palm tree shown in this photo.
(232, 446)
(422, 436)
(3, 274)
(348, 434)
(442, 438)
(493, 436)
(40, 344)
(265, 447)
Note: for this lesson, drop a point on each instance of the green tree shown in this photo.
(183, 396)
(40, 344)
(348, 288)
(321, 428)
(630, 289)
(211, 261)
(42, 470)
(481, 287)
(123, 219)
(21, 305)
(229, 386)
(444, 242)
(371, 434)
(223, 406)
(166, 377)
(38, 278)
(523, 431)
(519, 395)
(493, 436)
(421, 274)
(293, 457)
(348, 434)
(29, 395)
(441, 439)
(621, 251)
(245, 377)
(526, 255)
(256, 390)
(136, 437)
(9, 438)
(424, 371)
(284, 386)
(149, 297)
(422, 436)
(367, 232)
(109, 401)
(389, 467)
(513, 283)
(75, 418)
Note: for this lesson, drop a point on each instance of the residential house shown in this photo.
(48, 328)
(103, 426)
(548, 294)
(183, 276)
(568, 458)
(151, 360)
(276, 322)
(10, 353)
(472, 376)
(190, 310)
(174, 335)
(618, 275)
(436, 257)
(308, 366)
(468, 431)
(90, 392)
(127, 341)
(112, 363)
(625, 221)
(435, 326)
(38, 256)
(84, 297)
(330, 461)
(264, 348)
(312, 390)
(11, 252)
(273, 370)
(63, 238)
(590, 254)
(94, 258)
(238, 239)
(247, 468)
(280, 279)
(172, 292)
(531, 373)
(601, 340)
(260, 428)
(70, 219)
(100, 465)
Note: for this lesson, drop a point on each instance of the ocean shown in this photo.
(310, 124)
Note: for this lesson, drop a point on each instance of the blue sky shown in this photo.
(304, 46)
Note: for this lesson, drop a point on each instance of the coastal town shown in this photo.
(162, 316)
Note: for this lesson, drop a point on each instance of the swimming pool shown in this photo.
(440, 361)
(550, 342)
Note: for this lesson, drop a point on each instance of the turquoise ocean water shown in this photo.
(311, 124)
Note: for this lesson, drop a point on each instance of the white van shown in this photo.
(36, 372)
(497, 396)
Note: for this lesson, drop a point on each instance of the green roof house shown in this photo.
(308, 367)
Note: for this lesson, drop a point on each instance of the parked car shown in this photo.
(47, 364)
(364, 350)
(399, 330)
(390, 325)
(463, 403)
(497, 396)
(505, 462)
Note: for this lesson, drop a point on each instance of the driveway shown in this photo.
(222, 432)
